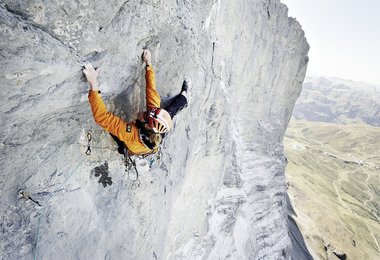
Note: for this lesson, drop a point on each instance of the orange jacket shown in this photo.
(125, 131)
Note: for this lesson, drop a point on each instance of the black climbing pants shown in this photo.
(176, 105)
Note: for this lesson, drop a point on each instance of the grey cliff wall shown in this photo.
(219, 191)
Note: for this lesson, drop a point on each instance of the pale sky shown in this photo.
(344, 37)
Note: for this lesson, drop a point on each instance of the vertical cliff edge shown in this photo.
(219, 191)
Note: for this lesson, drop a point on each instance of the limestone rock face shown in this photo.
(218, 190)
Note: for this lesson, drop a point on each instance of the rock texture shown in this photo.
(219, 191)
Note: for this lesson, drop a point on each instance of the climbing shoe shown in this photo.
(185, 86)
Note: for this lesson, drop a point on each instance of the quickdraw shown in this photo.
(24, 195)
(129, 166)
(89, 138)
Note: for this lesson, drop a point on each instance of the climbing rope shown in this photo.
(45, 203)
(25, 195)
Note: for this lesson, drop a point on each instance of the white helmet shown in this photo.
(159, 120)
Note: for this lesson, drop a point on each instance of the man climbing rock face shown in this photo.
(144, 135)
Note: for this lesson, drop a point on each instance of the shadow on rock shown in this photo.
(299, 248)
(128, 102)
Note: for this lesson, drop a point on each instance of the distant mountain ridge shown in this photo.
(334, 100)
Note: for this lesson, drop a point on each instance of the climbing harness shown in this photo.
(89, 138)
(24, 195)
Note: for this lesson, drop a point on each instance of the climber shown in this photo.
(145, 134)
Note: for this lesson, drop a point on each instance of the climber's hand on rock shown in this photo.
(147, 57)
(91, 76)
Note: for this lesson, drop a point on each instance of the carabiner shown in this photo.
(88, 152)
(89, 135)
